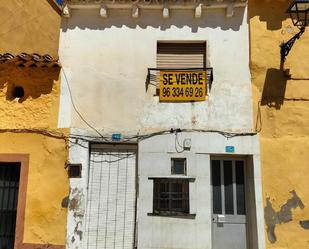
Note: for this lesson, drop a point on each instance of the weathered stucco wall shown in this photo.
(106, 61)
(37, 112)
(154, 155)
(45, 218)
(30, 26)
(282, 113)
(40, 105)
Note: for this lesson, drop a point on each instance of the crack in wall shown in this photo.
(273, 218)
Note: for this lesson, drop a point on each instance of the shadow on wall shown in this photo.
(27, 81)
(274, 88)
(91, 19)
(272, 12)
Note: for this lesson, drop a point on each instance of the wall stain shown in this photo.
(273, 218)
(304, 224)
(78, 230)
(65, 202)
(76, 206)
(76, 199)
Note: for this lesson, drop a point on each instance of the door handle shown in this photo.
(221, 218)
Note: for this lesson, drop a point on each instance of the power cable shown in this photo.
(75, 108)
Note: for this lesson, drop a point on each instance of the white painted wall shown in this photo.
(78, 153)
(106, 61)
(154, 159)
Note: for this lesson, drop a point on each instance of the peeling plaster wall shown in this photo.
(106, 61)
(78, 194)
(283, 117)
(153, 156)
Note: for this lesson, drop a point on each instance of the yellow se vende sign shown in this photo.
(182, 86)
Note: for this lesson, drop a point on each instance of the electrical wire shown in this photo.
(138, 137)
(75, 108)
(75, 138)
(178, 144)
(49, 133)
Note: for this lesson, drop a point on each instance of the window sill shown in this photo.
(173, 177)
(182, 216)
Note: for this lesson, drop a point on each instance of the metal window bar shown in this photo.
(9, 185)
(152, 78)
(163, 200)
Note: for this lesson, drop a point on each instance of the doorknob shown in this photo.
(221, 218)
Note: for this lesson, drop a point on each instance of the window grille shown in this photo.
(171, 196)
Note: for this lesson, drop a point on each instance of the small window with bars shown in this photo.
(171, 196)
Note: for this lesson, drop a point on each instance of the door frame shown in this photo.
(243, 158)
(23, 159)
(116, 146)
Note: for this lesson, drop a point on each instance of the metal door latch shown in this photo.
(221, 218)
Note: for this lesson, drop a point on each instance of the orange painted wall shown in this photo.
(281, 112)
(32, 26)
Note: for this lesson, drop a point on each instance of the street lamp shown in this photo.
(299, 14)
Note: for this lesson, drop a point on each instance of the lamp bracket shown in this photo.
(287, 46)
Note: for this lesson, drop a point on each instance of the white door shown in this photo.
(111, 201)
(229, 209)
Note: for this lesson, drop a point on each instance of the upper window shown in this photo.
(179, 166)
(181, 55)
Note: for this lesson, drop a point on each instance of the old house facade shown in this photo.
(152, 169)
(33, 151)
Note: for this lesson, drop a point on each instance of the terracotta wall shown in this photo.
(281, 112)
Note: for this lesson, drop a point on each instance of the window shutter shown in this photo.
(181, 55)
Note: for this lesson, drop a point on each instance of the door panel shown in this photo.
(110, 215)
(229, 213)
(229, 236)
